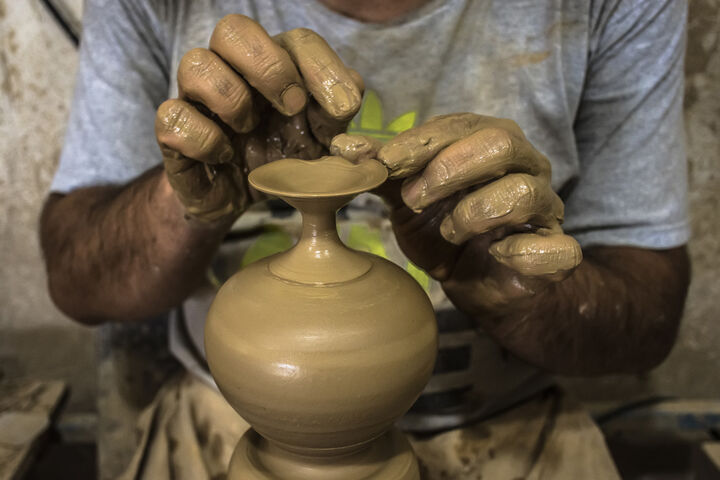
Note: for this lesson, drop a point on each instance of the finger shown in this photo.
(206, 78)
(536, 254)
(355, 147)
(410, 151)
(513, 200)
(205, 194)
(247, 47)
(357, 80)
(181, 127)
(324, 74)
(323, 126)
(487, 154)
(296, 141)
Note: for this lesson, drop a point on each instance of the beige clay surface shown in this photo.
(321, 348)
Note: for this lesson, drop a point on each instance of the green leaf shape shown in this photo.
(419, 275)
(361, 238)
(404, 122)
(371, 116)
(268, 243)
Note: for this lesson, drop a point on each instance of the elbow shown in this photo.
(657, 346)
(668, 311)
(661, 285)
(64, 293)
(630, 354)
(89, 305)
(70, 304)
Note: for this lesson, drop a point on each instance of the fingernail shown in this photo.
(244, 124)
(293, 100)
(389, 157)
(496, 251)
(227, 154)
(447, 229)
(344, 100)
(413, 192)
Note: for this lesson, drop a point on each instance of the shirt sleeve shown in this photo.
(122, 78)
(632, 188)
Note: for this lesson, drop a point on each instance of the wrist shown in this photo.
(496, 292)
(177, 212)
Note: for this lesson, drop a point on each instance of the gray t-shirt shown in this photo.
(596, 85)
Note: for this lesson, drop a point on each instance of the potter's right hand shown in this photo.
(247, 100)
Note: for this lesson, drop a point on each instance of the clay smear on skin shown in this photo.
(534, 254)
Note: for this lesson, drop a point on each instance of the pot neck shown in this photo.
(319, 257)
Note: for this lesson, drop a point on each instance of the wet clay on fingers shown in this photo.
(321, 348)
(544, 253)
(355, 147)
(234, 113)
(493, 179)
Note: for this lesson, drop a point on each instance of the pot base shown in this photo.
(389, 457)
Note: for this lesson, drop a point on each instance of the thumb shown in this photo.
(547, 253)
(354, 147)
(360, 147)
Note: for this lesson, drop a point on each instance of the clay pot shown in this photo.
(320, 348)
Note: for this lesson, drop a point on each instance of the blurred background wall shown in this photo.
(37, 67)
(37, 73)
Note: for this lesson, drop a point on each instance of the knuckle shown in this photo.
(196, 63)
(509, 125)
(269, 66)
(194, 57)
(544, 166)
(438, 118)
(439, 175)
(525, 189)
(236, 31)
(465, 122)
(467, 211)
(302, 35)
(459, 155)
(499, 141)
(229, 26)
(224, 29)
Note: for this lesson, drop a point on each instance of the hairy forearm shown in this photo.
(121, 253)
(617, 313)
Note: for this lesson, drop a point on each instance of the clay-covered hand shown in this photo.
(249, 99)
(472, 204)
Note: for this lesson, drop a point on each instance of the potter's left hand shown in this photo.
(472, 204)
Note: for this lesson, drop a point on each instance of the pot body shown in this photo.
(321, 368)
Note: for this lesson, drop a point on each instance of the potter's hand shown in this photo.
(247, 100)
(471, 203)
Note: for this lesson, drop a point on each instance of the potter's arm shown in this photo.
(118, 253)
(115, 248)
(474, 183)
(618, 312)
(128, 252)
